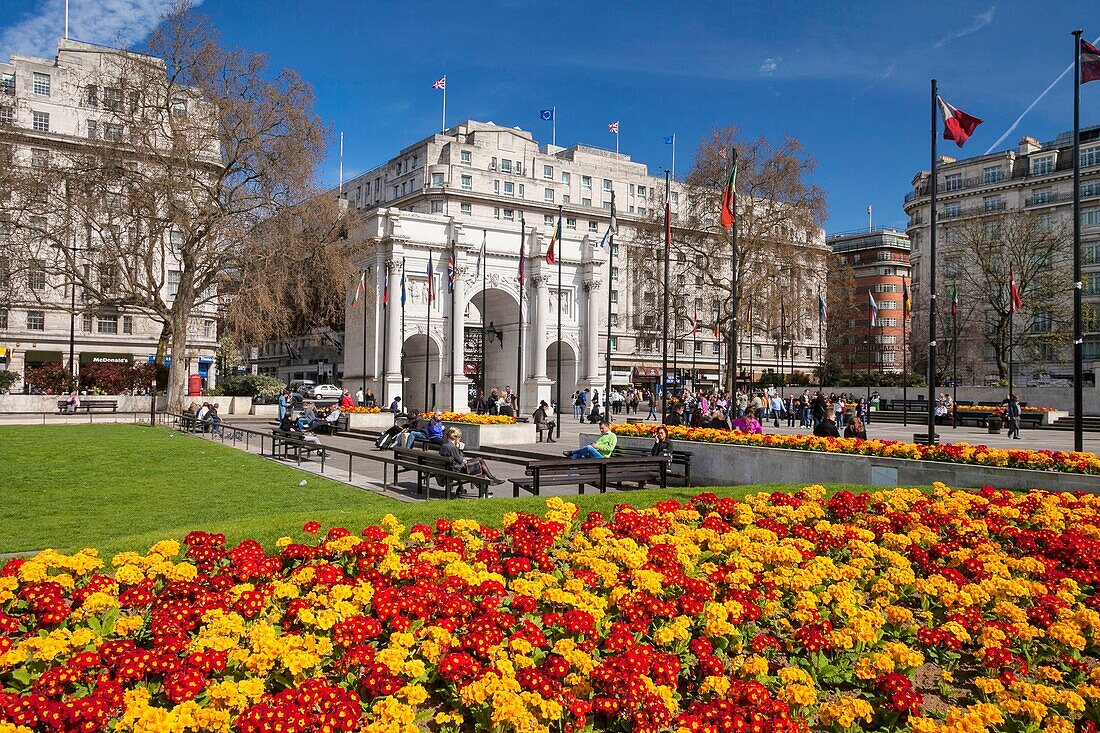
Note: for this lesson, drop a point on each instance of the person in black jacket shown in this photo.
(827, 427)
(661, 444)
(541, 417)
(676, 417)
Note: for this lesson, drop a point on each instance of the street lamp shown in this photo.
(72, 307)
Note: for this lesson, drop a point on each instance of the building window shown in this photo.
(3, 318)
(887, 322)
(437, 179)
(7, 116)
(464, 157)
(953, 182)
(86, 322)
(108, 324)
(496, 212)
(886, 288)
(1042, 323)
(173, 283)
(586, 181)
(466, 209)
(565, 198)
(505, 166)
(41, 84)
(40, 158)
(548, 194)
(614, 319)
(993, 203)
(614, 273)
(586, 202)
(7, 84)
(992, 174)
(437, 207)
(950, 211)
(888, 305)
(509, 215)
(1090, 156)
(885, 256)
(1042, 166)
(93, 131)
(548, 220)
(509, 188)
(614, 296)
(593, 226)
(521, 190)
(1043, 196)
(716, 347)
(36, 276)
(179, 107)
(113, 132)
(607, 184)
(467, 182)
(565, 176)
(548, 172)
(128, 324)
(607, 205)
(208, 329)
(496, 186)
(36, 320)
(571, 224)
(41, 121)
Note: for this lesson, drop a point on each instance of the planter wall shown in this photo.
(16, 403)
(1058, 397)
(370, 421)
(714, 464)
(263, 410)
(476, 436)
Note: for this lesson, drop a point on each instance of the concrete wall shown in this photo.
(1057, 397)
(21, 403)
(715, 464)
(476, 436)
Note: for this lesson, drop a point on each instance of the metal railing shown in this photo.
(12, 418)
(234, 435)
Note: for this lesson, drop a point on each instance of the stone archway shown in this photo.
(501, 349)
(420, 372)
(569, 373)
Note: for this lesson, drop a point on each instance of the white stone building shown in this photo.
(1035, 177)
(481, 182)
(49, 105)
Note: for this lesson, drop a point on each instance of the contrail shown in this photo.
(1032, 106)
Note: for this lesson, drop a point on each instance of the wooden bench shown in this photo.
(291, 444)
(342, 425)
(428, 465)
(681, 458)
(597, 472)
(88, 405)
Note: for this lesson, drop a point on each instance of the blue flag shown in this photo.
(547, 114)
(669, 139)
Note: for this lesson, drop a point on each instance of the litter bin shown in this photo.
(194, 385)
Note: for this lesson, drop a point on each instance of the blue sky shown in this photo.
(849, 79)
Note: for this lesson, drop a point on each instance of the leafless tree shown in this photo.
(194, 146)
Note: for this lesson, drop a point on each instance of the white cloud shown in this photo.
(118, 23)
(980, 21)
(769, 66)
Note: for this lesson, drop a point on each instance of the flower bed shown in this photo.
(998, 408)
(981, 455)
(888, 611)
(357, 410)
(474, 418)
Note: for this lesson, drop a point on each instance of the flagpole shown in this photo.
(694, 347)
(66, 20)
(820, 347)
(870, 325)
(664, 316)
(932, 281)
(557, 389)
(1011, 318)
(484, 321)
(904, 357)
(954, 364)
(748, 327)
(616, 142)
(610, 265)
(735, 336)
(385, 340)
(444, 105)
(674, 155)
(428, 333)
(1078, 339)
(554, 126)
(341, 190)
(870, 220)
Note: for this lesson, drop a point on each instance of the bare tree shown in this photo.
(194, 145)
(980, 253)
(778, 211)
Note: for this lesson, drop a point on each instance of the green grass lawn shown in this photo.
(122, 487)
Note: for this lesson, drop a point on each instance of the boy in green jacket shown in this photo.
(602, 448)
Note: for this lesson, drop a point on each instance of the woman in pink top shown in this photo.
(748, 423)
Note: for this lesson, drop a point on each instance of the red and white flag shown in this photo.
(957, 125)
(1014, 293)
(1090, 62)
(874, 309)
(614, 127)
(440, 83)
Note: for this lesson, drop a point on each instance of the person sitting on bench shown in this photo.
(430, 431)
(452, 451)
(288, 424)
(602, 448)
(543, 422)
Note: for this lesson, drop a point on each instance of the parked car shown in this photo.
(326, 392)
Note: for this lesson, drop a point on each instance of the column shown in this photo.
(540, 296)
(393, 325)
(592, 331)
(459, 401)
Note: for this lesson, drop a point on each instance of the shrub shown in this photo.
(252, 385)
(49, 378)
(8, 379)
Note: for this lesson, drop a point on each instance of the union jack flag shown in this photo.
(614, 127)
(451, 274)
(440, 83)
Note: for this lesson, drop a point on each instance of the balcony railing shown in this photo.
(965, 184)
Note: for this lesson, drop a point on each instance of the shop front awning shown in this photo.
(647, 372)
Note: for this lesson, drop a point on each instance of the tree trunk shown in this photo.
(162, 343)
(177, 372)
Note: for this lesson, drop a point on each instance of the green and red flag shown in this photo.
(728, 215)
